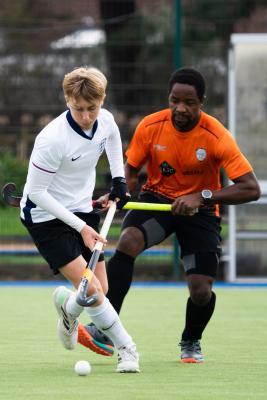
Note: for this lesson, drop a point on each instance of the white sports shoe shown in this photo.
(67, 326)
(128, 359)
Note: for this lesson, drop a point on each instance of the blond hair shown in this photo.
(86, 82)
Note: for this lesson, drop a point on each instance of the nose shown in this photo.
(85, 115)
(180, 107)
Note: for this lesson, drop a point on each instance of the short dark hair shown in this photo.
(191, 77)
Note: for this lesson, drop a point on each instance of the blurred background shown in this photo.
(137, 44)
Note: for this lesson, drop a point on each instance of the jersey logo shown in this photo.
(167, 169)
(159, 147)
(102, 146)
(193, 172)
(75, 158)
(201, 154)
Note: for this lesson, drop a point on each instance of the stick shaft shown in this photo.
(103, 232)
(106, 225)
(132, 205)
(14, 201)
(81, 297)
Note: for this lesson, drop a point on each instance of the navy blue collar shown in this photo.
(78, 129)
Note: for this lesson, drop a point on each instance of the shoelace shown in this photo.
(127, 354)
(73, 325)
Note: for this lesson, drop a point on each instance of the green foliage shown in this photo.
(12, 170)
(139, 52)
(216, 19)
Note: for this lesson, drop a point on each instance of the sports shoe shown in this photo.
(128, 359)
(92, 338)
(67, 326)
(191, 351)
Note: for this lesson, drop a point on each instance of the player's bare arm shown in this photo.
(244, 189)
(131, 175)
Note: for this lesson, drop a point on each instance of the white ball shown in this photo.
(82, 368)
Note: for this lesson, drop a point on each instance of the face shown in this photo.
(185, 106)
(83, 112)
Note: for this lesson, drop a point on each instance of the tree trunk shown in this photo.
(123, 46)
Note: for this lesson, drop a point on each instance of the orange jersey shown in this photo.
(180, 163)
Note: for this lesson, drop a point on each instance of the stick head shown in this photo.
(7, 193)
(81, 297)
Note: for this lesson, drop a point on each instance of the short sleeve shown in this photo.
(232, 159)
(138, 150)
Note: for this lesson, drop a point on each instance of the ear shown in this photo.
(67, 101)
(102, 102)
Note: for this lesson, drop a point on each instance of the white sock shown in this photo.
(72, 307)
(107, 320)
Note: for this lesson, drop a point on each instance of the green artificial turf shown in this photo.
(10, 223)
(34, 365)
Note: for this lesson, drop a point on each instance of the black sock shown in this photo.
(120, 274)
(197, 318)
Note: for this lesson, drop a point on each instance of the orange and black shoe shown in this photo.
(92, 338)
(191, 351)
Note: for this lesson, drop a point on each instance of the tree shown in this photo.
(123, 46)
(207, 26)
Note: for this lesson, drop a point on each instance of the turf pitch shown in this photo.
(34, 365)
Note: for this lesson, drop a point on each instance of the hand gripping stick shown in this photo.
(81, 296)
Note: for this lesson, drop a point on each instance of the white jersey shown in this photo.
(62, 168)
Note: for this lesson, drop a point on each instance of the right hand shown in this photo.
(101, 203)
(186, 204)
(90, 237)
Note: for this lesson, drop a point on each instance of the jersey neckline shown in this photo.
(186, 134)
(78, 129)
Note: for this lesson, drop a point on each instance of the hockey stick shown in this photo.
(14, 201)
(7, 193)
(81, 297)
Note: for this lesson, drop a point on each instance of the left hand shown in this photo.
(119, 192)
(187, 204)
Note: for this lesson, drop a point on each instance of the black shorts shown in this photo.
(60, 244)
(198, 235)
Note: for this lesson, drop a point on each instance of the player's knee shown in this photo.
(131, 241)
(94, 287)
(200, 288)
(200, 296)
(104, 288)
